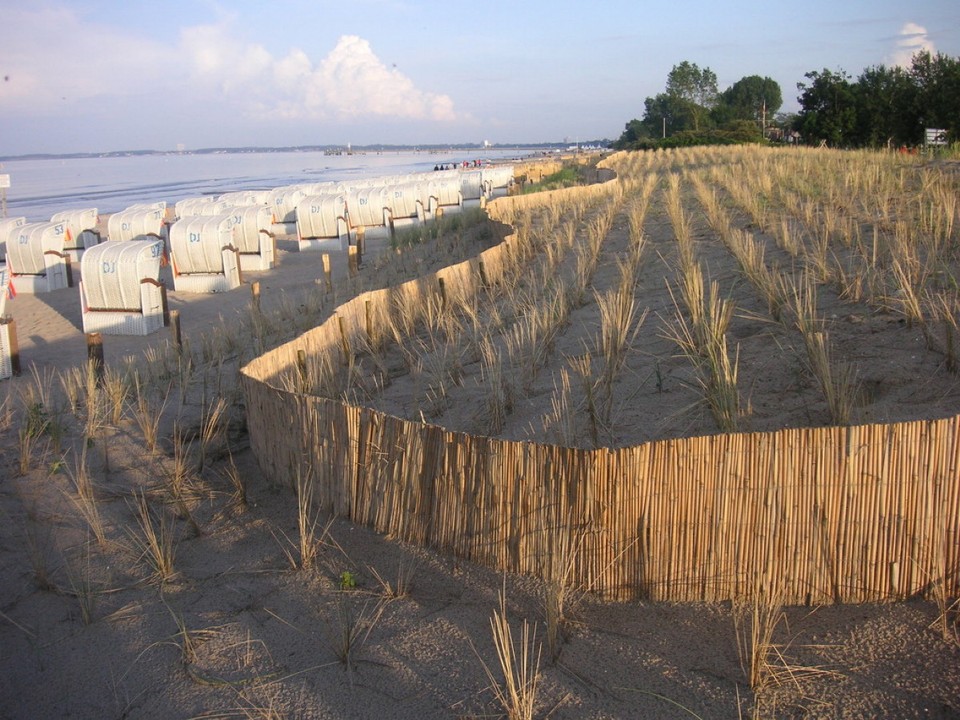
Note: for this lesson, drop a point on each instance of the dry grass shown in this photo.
(518, 665)
(153, 540)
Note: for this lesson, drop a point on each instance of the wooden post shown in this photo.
(483, 275)
(164, 305)
(344, 340)
(302, 369)
(327, 271)
(95, 355)
(361, 245)
(69, 270)
(443, 292)
(368, 313)
(353, 260)
(175, 330)
(255, 292)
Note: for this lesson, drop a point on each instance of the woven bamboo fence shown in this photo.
(852, 514)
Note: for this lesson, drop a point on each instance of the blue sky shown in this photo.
(99, 75)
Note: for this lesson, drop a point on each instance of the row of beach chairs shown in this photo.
(210, 242)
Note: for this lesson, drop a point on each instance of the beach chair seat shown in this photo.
(203, 254)
(121, 292)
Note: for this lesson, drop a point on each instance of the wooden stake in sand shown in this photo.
(255, 293)
(95, 355)
(327, 272)
(175, 330)
(361, 244)
(302, 368)
(344, 340)
(353, 259)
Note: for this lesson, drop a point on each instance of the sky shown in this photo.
(108, 75)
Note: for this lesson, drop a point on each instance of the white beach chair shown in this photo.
(497, 181)
(136, 224)
(81, 233)
(121, 292)
(284, 201)
(7, 227)
(36, 259)
(203, 254)
(322, 223)
(367, 208)
(404, 204)
(253, 238)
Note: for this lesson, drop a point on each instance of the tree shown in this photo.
(827, 108)
(937, 82)
(750, 98)
(696, 87)
(886, 103)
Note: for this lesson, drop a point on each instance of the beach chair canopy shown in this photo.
(113, 272)
(499, 177)
(196, 243)
(321, 216)
(76, 222)
(249, 221)
(365, 206)
(135, 223)
(471, 184)
(284, 201)
(27, 245)
(197, 207)
(9, 226)
(446, 190)
(160, 205)
(245, 197)
(403, 200)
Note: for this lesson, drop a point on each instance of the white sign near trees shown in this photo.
(936, 136)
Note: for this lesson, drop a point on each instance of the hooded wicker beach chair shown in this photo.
(203, 254)
(322, 223)
(121, 292)
(81, 233)
(36, 258)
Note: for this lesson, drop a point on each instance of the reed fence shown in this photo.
(836, 514)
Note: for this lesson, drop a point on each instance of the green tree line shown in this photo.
(884, 106)
(691, 111)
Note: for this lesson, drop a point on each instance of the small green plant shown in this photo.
(348, 580)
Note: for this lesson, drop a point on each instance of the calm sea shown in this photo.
(40, 188)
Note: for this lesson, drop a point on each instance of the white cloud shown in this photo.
(913, 38)
(350, 82)
(54, 59)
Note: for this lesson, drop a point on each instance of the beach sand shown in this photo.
(237, 632)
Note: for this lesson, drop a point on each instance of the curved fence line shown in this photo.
(853, 514)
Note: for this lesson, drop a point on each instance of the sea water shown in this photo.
(41, 187)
